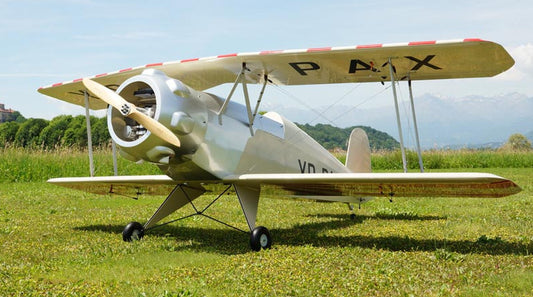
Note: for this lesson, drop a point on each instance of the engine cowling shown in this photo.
(167, 100)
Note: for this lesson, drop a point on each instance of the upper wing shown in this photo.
(382, 184)
(363, 63)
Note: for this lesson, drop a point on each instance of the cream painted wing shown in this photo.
(338, 186)
(132, 185)
(363, 63)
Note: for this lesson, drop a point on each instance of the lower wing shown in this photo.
(482, 185)
(128, 185)
(342, 187)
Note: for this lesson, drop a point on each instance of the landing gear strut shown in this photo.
(185, 194)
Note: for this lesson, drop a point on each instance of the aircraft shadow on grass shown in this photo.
(228, 241)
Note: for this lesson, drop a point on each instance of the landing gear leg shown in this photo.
(249, 198)
(180, 196)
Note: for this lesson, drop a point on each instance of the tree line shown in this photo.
(61, 131)
(71, 131)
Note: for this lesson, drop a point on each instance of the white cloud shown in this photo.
(523, 68)
(523, 56)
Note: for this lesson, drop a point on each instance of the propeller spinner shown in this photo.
(128, 109)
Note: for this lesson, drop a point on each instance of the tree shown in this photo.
(8, 131)
(29, 131)
(18, 117)
(517, 142)
(76, 132)
(99, 131)
(52, 135)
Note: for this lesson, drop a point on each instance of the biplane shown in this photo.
(161, 113)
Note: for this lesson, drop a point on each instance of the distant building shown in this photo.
(5, 114)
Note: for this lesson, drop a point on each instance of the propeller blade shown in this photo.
(130, 110)
(108, 96)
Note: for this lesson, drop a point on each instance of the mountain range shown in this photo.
(472, 121)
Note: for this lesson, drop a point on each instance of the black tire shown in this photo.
(133, 231)
(260, 239)
(352, 216)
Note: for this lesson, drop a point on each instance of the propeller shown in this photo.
(129, 109)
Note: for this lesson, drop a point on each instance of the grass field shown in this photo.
(59, 242)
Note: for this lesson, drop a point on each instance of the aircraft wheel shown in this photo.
(133, 231)
(352, 216)
(260, 239)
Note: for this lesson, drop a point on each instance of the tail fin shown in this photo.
(358, 155)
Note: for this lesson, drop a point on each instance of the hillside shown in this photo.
(333, 137)
(442, 121)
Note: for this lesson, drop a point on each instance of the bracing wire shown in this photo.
(290, 95)
(363, 102)
(321, 114)
(336, 102)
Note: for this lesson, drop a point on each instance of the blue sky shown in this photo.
(45, 42)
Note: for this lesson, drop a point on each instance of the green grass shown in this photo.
(446, 159)
(29, 165)
(60, 242)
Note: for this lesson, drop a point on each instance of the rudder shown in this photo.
(358, 153)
